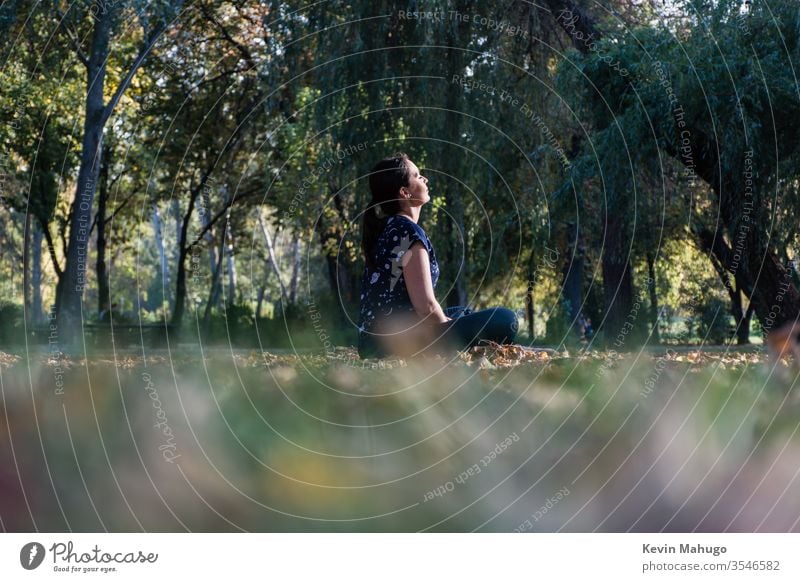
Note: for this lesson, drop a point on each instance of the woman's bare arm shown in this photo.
(417, 274)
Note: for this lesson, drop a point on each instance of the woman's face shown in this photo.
(417, 190)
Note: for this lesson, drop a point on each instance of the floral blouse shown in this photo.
(383, 288)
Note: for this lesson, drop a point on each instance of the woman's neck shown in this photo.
(411, 212)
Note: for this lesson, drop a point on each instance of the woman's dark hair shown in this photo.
(385, 181)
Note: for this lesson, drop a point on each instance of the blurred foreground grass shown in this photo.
(228, 441)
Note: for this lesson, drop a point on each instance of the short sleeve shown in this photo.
(405, 233)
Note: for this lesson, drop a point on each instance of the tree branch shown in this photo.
(63, 232)
(51, 248)
(137, 63)
(271, 251)
(223, 211)
(243, 50)
(113, 214)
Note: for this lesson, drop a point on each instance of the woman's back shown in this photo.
(383, 288)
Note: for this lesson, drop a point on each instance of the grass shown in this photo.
(495, 440)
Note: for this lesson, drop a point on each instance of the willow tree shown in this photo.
(465, 90)
(343, 111)
(707, 90)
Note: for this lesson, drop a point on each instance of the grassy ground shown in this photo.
(495, 440)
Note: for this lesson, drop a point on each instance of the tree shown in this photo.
(104, 24)
(673, 103)
(37, 94)
(203, 103)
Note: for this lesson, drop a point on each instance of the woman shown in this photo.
(399, 311)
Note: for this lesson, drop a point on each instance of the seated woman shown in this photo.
(400, 315)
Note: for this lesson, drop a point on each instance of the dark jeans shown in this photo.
(466, 329)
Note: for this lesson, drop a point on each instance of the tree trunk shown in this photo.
(231, 264)
(617, 285)
(205, 217)
(26, 268)
(651, 287)
(216, 283)
(743, 326)
(293, 282)
(271, 251)
(529, 293)
(175, 210)
(573, 281)
(37, 312)
(738, 312)
(162, 254)
(180, 288)
(103, 287)
(69, 291)
(347, 280)
(338, 269)
(261, 291)
(180, 271)
(456, 243)
(184, 247)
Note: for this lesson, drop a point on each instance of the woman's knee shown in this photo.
(504, 325)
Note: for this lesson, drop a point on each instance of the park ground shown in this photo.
(497, 439)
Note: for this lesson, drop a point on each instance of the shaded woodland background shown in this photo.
(200, 167)
(192, 175)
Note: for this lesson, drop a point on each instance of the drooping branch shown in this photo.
(116, 211)
(760, 275)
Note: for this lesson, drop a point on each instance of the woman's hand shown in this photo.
(417, 275)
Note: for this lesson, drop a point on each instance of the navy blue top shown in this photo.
(383, 288)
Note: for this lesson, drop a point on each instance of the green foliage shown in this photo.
(235, 324)
(11, 324)
(711, 322)
(270, 106)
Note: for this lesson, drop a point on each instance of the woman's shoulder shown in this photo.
(403, 224)
(400, 233)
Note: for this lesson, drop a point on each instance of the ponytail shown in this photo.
(385, 181)
(372, 228)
